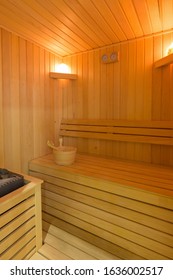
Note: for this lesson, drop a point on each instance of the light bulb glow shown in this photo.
(170, 49)
(62, 68)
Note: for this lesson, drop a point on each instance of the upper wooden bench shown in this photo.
(124, 207)
(152, 132)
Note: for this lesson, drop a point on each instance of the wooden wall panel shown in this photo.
(27, 101)
(162, 96)
(1, 113)
(32, 104)
(129, 89)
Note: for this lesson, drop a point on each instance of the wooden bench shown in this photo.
(152, 132)
(21, 221)
(123, 207)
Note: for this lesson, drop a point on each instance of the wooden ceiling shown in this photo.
(67, 27)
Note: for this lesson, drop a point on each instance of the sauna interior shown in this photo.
(113, 102)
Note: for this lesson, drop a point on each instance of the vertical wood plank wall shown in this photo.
(32, 104)
(27, 96)
(129, 89)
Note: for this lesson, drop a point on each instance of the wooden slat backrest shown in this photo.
(152, 132)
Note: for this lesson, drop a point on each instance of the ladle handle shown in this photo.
(60, 141)
(51, 145)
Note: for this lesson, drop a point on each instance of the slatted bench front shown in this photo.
(123, 207)
(126, 208)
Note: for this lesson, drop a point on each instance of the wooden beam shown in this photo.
(55, 75)
(164, 61)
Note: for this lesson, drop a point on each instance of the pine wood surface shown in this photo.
(20, 221)
(131, 90)
(164, 61)
(61, 245)
(32, 105)
(146, 177)
(26, 100)
(68, 29)
(38, 256)
(151, 132)
(123, 203)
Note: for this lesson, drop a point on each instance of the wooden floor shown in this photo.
(60, 245)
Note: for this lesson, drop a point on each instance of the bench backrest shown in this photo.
(151, 132)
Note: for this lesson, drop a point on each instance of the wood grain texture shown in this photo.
(70, 28)
(121, 203)
(33, 104)
(1, 112)
(131, 89)
(61, 245)
(117, 130)
(20, 221)
(27, 110)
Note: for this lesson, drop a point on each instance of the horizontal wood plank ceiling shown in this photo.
(67, 27)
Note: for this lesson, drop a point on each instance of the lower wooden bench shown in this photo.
(21, 221)
(123, 207)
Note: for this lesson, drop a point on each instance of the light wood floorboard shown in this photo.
(60, 245)
(38, 256)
